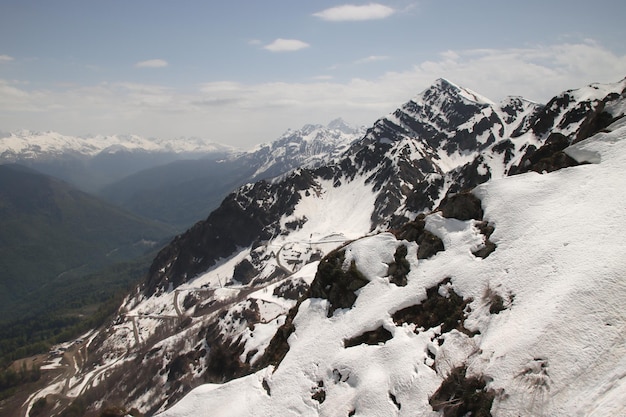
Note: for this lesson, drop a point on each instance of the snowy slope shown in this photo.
(556, 349)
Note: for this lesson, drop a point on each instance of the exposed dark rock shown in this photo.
(549, 157)
(489, 247)
(250, 313)
(292, 289)
(414, 231)
(190, 300)
(319, 393)
(592, 118)
(223, 361)
(266, 387)
(469, 176)
(462, 206)
(179, 366)
(278, 346)
(244, 272)
(507, 148)
(429, 245)
(436, 309)
(594, 123)
(460, 395)
(496, 304)
(394, 400)
(496, 301)
(544, 121)
(425, 193)
(244, 217)
(372, 337)
(113, 412)
(335, 284)
(296, 224)
(400, 267)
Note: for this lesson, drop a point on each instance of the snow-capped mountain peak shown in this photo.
(445, 86)
(310, 146)
(341, 125)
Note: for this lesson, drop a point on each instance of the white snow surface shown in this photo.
(558, 349)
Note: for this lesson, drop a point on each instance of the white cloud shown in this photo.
(286, 45)
(216, 110)
(351, 12)
(372, 58)
(6, 58)
(152, 63)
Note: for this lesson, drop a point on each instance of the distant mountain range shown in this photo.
(92, 162)
(176, 182)
(461, 257)
(183, 192)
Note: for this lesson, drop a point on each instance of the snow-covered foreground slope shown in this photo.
(543, 331)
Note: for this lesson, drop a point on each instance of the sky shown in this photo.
(242, 72)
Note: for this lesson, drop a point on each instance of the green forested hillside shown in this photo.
(52, 236)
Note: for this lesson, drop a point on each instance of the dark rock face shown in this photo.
(244, 272)
(550, 157)
(595, 122)
(415, 231)
(589, 115)
(435, 118)
(335, 284)
(400, 267)
(546, 119)
(469, 176)
(372, 337)
(489, 247)
(462, 395)
(462, 206)
(291, 290)
(223, 363)
(249, 215)
(505, 147)
(446, 311)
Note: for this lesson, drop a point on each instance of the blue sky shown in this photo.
(242, 72)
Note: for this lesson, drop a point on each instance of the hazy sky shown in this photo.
(242, 72)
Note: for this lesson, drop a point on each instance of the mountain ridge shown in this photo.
(34, 144)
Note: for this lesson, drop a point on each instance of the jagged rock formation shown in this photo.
(446, 140)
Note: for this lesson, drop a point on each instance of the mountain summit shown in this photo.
(411, 274)
(340, 124)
